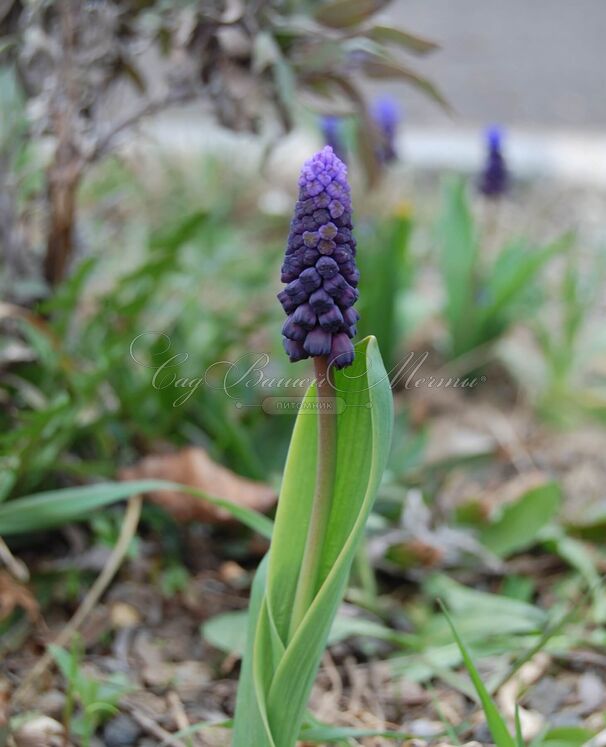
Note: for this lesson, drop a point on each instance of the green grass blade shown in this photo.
(519, 737)
(496, 724)
(56, 507)
(516, 268)
(189, 731)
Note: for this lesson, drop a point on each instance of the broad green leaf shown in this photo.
(496, 724)
(475, 611)
(520, 523)
(66, 661)
(566, 736)
(458, 258)
(464, 601)
(479, 626)
(386, 271)
(251, 710)
(279, 668)
(56, 507)
(227, 631)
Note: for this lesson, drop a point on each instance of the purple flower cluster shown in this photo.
(494, 179)
(319, 267)
(386, 115)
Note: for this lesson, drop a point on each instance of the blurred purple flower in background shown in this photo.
(494, 180)
(386, 115)
(319, 267)
(332, 131)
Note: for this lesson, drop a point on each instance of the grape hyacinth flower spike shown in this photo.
(386, 115)
(337, 454)
(319, 267)
(494, 180)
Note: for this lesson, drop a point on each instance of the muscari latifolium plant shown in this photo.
(494, 180)
(386, 116)
(336, 458)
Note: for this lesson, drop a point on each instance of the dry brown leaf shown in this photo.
(193, 467)
(13, 595)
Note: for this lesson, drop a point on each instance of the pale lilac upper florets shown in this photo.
(319, 267)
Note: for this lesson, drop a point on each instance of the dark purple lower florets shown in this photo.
(319, 266)
(318, 342)
(294, 350)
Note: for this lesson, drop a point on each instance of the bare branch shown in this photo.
(105, 142)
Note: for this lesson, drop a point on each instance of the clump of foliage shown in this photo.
(89, 700)
(75, 80)
(485, 295)
(569, 386)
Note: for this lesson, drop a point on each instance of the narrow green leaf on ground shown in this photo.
(53, 508)
(336, 733)
(496, 724)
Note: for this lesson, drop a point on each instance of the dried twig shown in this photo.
(178, 711)
(333, 675)
(151, 727)
(129, 527)
(105, 143)
(15, 566)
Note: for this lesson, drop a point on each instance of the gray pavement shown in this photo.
(529, 63)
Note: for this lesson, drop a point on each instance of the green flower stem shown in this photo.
(307, 584)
